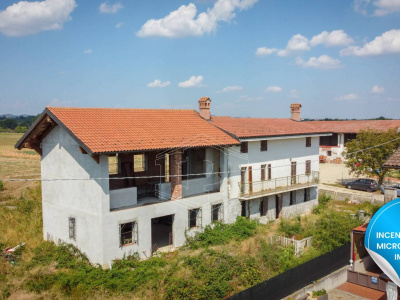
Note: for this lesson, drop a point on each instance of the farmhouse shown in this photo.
(122, 181)
(342, 131)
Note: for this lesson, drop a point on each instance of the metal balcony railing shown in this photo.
(281, 184)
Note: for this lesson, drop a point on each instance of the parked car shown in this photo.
(396, 186)
(368, 185)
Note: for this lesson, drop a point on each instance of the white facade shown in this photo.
(83, 193)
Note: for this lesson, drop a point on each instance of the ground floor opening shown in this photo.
(161, 233)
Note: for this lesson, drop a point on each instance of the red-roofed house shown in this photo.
(120, 181)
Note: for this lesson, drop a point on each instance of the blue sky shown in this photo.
(252, 58)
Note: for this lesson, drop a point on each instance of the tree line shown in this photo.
(18, 124)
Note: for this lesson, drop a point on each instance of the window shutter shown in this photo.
(308, 167)
(269, 172)
(264, 145)
(262, 172)
(244, 147)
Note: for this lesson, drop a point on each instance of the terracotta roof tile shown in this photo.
(258, 127)
(394, 160)
(354, 126)
(116, 130)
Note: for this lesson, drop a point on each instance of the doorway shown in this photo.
(278, 205)
(161, 233)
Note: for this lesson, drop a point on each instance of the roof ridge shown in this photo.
(121, 108)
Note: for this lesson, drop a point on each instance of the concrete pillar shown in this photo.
(176, 175)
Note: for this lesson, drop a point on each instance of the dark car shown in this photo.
(396, 186)
(368, 185)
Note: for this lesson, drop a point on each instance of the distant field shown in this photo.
(18, 164)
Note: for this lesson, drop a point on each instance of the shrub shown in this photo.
(319, 293)
(323, 201)
(1, 186)
(290, 227)
(219, 233)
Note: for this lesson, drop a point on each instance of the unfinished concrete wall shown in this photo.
(82, 197)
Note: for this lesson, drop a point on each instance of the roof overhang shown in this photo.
(282, 137)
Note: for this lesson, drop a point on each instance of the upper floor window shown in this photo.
(264, 145)
(269, 172)
(308, 141)
(308, 167)
(244, 147)
(139, 162)
(263, 172)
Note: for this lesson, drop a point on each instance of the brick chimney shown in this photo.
(295, 110)
(204, 107)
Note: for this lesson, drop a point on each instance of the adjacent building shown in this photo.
(121, 181)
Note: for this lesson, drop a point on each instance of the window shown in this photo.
(329, 153)
(263, 172)
(194, 218)
(139, 162)
(292, 197)
(72, 228)
(113, 165)
(193, 164)
(263, 207)
(269, 172)
(306, 195)
(242, 178)
(244, 147)
(217, 212)
(308, 167)
(127, 233)
(308, 141)
(264, 146)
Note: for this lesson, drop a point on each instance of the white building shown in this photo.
(120, 181)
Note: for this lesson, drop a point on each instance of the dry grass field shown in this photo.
(16, 164)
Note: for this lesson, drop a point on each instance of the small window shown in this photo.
(269, 172)
(243, 178)
(308, 167)
(308, 141)
(72, 228)
(306, 195)
(217, 213)
(292, 197)
(113, 165)
(329, 153)
(127, 233)
(194, 218)
(264, 146)
(263, 207)
(139, 162)
(263, 172)
(244, 147)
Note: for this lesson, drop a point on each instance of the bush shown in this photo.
(319, 293)
(20, 129)
(323, 201)
(290, 227)
(1, 186)
(219, 233)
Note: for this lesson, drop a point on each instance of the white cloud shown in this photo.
(331, 39)
(59, 103)
(385, 7)
(273, 89)
(348, 97)
(183, 21)
(194, 81)
(232, 88)
(294, 94)
(88, 51)
(298, 43)
(376, 89)
(387, 43)
(106, 8)
(158, 84)
(25, 17)
(119, 25)
(246, 98)
(322, 62)
(263, 51)
(381, 7)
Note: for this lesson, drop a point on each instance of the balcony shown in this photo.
(256, 189)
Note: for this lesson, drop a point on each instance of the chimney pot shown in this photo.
(295, 110)
(204, 107)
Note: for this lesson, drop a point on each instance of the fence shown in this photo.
(278, 184)
(298, 245)
(342, 196)
(294, 279)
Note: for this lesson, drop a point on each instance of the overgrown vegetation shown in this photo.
(219, 233)
(1, 186)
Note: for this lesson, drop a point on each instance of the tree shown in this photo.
(364, 156)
